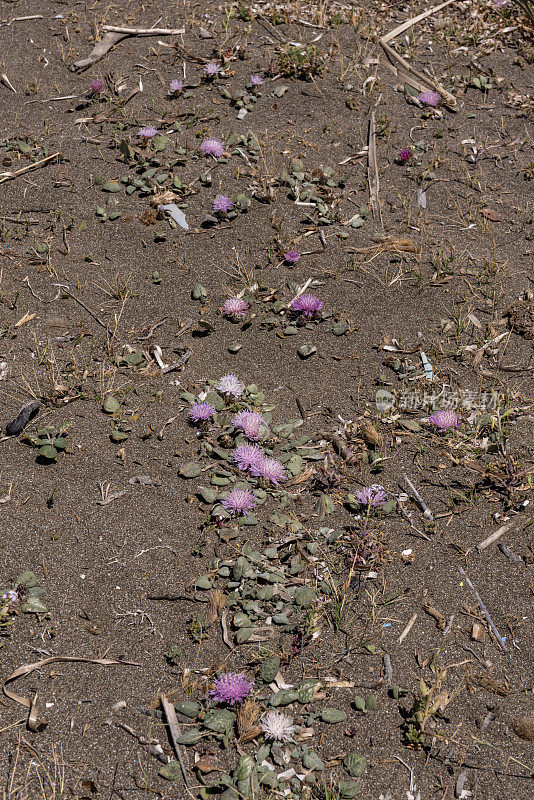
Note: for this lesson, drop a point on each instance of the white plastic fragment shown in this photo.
(177, 215)
(427, 367)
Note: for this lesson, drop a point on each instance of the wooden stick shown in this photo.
(86, 308)
(10, 175)
(419, 81)
(372, 171)
(175, 732)
(494, 536)
(485, 611)
(424, 508)
(99, 50)
(407, 629)
(144, 31)
(425, 79)
(413, 21)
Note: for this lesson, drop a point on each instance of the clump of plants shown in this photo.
(50, 442)
(241, 711)
(23, 596)
(303, 63)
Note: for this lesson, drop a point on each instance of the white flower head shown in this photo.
(277, 726)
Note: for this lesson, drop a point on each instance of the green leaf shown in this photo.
(171, 771)
(159, 143)
(111, 186)
(370, 703)
(243, 634)
(269, 668)
(191, 737)
(126, 150)
(33, 605)
(410, 424)
(49, 452)
(190, 470)
(189, 708)
(27, 578)
(333, 715)
(215, 400)
(111, 405)
(219, 720)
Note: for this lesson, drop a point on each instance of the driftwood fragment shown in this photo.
(113, 36)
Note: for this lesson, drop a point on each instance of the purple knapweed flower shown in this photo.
(176, 86)
(147, 133)
(307, 304)
(256, 79)
(230, 384)
(374, 496)
(235, 307)
(212, 69)
(405, 154)
(222, 204)
(231, 688)
(291, 257)
(248, 456)
(96, 86)
(445, 420)
(271, 469)
(249, 422)
(239, 501)
(200, 412)
(429, 98)
(212, 147)
(277, 726)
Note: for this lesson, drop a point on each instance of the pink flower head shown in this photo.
(256, 79)
(231, 688)
(148, 132)
(11, 596)
(212, 147)
(176, 86)
(429, 98)
(249, 422)
(271, 469)
(212, 69)
(200, 412)
(230, 384)
(374, 496)
(96, 86)
(222, 204)
(405, 154)
(291, 257)
(248, 456)
(445, 420)
(307, 304)
(239, 501)
(235, 307)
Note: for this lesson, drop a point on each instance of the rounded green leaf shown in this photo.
(354, 764)
(333, 715)
(49, 452)
(111, 405)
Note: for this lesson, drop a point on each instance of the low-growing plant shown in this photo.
(301, 62)
(50, 441)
